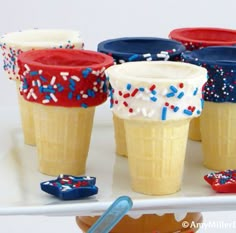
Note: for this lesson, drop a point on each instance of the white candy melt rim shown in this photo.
(163, 71)
(43, 38)
(157, 90)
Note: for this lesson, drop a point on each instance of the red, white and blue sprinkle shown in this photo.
(38, 86)
(10, 55)
(223, 181)
(220, 86)
(163, 55)
(173, 95)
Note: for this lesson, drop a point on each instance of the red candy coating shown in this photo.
(62, 77)
(229, 187)
(199, 37)
(223, 181)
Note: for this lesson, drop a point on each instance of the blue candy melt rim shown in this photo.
(127, 46)
(224, 56)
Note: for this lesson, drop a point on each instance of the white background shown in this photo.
(98, 20)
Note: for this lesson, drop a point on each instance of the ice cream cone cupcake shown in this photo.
(149, 223)
(156, 100)
(13, 44)
(64, 87)
(197, 38)
(218, 119)
(130, 49)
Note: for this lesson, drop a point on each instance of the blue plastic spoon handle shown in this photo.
(112, 215)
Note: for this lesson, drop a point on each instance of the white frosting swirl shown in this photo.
(157, 90)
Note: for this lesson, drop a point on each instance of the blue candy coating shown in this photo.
(220, 62)
(140, 48)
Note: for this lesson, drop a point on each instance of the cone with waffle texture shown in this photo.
(64, 86)
(119, 131)
(63, 138)
(14, 43)
(156, 152)
(195, 38)
(129, 49)
(218, 121)
(218, 127)
(27, 119)
(156, 101)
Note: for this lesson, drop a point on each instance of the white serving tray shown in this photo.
(20, 180)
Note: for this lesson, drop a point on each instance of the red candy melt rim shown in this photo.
(62, 77)
(205, 35)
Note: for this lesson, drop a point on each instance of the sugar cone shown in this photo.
(194, 129)
(27, 121)
(148, 223)
(156, 155)
(119, 130)
(218, 127)
(63, 138)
